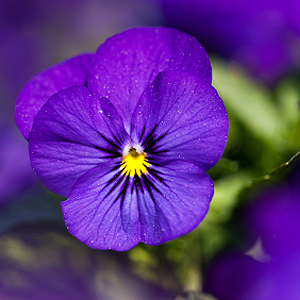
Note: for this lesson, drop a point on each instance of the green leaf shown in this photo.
(250, 102)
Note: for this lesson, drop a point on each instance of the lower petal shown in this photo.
(96, 214)
(107, 210)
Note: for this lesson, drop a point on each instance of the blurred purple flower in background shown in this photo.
(21, 55)
(19, 52)
(232, 275)
(128, 137)
(15, 172)
(261, 35)
(275, 216)
(271, 269)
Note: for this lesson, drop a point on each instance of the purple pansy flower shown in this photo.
(126, 134)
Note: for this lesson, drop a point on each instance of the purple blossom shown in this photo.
(261, 35)
(126, 134)
(273, 217)
(240, 277)
(233, 275)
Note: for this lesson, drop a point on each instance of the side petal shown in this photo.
(127, 62)
(73, 132)
(42, 86)
(107, 210)
(181, 117)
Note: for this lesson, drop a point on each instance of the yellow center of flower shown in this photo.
(134, 163)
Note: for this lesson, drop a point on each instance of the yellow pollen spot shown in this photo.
(134, 163)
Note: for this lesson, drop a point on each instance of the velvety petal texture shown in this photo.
(72, 133)
(42, 86)
(128, 62)
(129, 138)
(180, 116)
(117, 214)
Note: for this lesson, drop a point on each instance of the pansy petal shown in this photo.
(181, 117)
(73, 132)
(42, 86)
(127, 62)
(109, 210)
(93, 211)
(176, 199)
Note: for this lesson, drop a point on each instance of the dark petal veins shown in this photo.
(42, 86)
(137, 184)
(93, 212)
(181, 117)
(128, 62)
(137, 209)
(113, 144)
(149, 186)
(116, 184)
(155, 174)
(112, 153)
(65, 140)
(149, 138)
(182, 195)
(142, 134)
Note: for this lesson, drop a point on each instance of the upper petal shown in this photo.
(127, 62)
(42, 86)
(107, 211)
(180, 116)
(73, 132)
